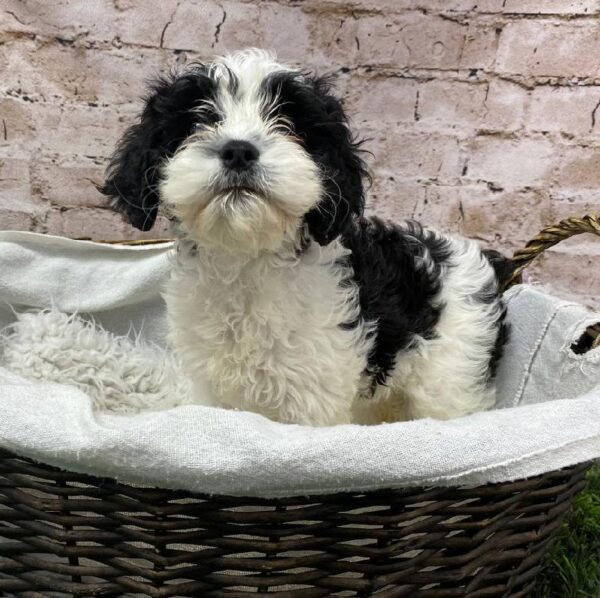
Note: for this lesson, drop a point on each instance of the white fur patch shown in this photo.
(266, 332)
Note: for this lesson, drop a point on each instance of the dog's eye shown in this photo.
(197, 127)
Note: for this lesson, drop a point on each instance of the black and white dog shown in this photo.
(284, 297)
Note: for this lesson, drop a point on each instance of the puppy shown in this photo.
(284, 297)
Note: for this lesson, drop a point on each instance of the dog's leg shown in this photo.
(449, 375)
(437, 315)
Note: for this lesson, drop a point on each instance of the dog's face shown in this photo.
(244, 153)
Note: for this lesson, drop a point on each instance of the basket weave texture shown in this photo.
(68, 534)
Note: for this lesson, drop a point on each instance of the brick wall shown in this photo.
(483, 115)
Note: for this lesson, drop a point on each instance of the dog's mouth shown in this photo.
(241, 193)
(240, 189)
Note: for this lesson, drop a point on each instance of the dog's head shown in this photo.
(244, 153)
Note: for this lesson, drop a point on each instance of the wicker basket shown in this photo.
(67, 534)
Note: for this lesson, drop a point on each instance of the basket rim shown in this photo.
(154, 242)
(29, 466)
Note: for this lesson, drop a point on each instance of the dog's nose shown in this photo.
(239, 155)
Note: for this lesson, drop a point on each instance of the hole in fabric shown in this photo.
(589, 340)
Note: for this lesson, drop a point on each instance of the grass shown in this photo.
(572, 569)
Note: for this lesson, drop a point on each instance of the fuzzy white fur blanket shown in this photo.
(548, 412)
(118, 373)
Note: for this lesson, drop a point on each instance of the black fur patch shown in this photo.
(166, 121)
(398, 271)
(503, 268)
(319, 121)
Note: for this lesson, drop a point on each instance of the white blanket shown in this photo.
(549, 399)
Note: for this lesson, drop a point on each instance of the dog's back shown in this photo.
(434, 301)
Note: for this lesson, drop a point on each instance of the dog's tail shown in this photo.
(503, 266)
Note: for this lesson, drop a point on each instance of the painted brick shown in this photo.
(393, 198)
(397, 200)
(15, 188)
(382, 100)
(571, 270)
(90, 223)
(533, 7)
(480, 46)
(571, 110)
(580, 168)
(58, 73)
(506, 91)
(516, 7)
(292, 44)
(18, 208)
(374, 143)
(69, 185)
(422, 156)
(503, 219)
(16, 220)
(505, 105)
(410, 40)
(430, 42)
(220, 27)
(335, 40)
(97, 224)
(90, 133)
(149, 30)
(550, 48)
(65, 19)
(91, 21)
(449, 104)
(439, 209)
(566, 203)
(17, 127)
(381, 6)
(194, 26)
(509, 163)
(559, 7)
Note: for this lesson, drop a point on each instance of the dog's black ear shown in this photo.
(330, 140)
(320, 122)
(166, 120)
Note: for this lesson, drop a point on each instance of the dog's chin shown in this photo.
(239, 220)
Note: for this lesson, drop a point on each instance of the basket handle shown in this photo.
(569, 227)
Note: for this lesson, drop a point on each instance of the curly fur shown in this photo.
(285, 297)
